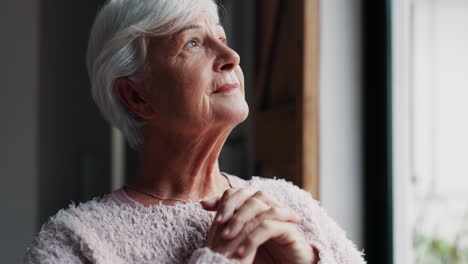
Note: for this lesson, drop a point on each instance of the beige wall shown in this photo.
(341, 171)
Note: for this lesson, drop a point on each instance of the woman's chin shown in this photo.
(234, 113)
(242, 115)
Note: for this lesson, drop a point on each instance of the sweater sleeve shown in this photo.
(56, 243)
(207, 256)
(320, 230)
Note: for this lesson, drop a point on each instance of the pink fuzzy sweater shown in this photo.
(115, 229)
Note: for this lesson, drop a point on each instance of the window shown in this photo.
(430, 96)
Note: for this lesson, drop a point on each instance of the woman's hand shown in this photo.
(247, 220)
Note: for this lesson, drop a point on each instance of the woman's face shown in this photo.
(195, 80)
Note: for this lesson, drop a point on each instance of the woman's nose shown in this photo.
(227, 59)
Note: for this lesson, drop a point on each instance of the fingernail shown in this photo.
(219, 218)
(209, 201)
(241, 250)
(212, 199)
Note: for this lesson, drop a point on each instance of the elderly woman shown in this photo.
(163, 73)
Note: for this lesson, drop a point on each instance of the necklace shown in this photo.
(155, 196)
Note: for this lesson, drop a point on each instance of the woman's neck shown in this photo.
(181, 167)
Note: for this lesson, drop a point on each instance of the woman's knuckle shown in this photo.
(250, 239)
(259, 193)
(247, 192)
(265, 224)
(276, 211)
(229, 192)
(235, 220)
(254, 202)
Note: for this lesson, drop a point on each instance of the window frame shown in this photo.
(377, 136)
(401, 37)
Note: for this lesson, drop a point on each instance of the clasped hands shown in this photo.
(251, 227)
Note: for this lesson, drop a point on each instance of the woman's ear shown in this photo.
(131, 96)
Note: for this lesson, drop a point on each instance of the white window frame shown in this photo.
(402, 235)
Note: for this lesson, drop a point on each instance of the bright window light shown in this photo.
(431, 111)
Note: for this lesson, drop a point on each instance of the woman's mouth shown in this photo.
(227, 88)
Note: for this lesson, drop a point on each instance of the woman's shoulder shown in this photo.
(96, 209)
(71, 229)
(273, 183)
(83, 219)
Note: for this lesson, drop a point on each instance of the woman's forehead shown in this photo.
(205, 17)
(204, 21)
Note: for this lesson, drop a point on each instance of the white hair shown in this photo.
(117, 48)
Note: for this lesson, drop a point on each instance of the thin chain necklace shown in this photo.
(155, 196)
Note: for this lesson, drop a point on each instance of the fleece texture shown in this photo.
(109, 230)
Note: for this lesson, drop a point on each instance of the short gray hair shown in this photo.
(117, 48)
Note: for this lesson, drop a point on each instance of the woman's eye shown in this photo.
(191, 44)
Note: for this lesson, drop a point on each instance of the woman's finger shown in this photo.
(260, 211)
(282, 214)
(266, 230)
(210, 204)
(248, 211)
(266, 198)
(230, 202)
(221, 203)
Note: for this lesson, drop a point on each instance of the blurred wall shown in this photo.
(238, 18)
(19, 105)
(341, 171)
(55, 145)
(74, 139)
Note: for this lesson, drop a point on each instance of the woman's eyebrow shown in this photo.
(189, 27)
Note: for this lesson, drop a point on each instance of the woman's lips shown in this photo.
(227, 88)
